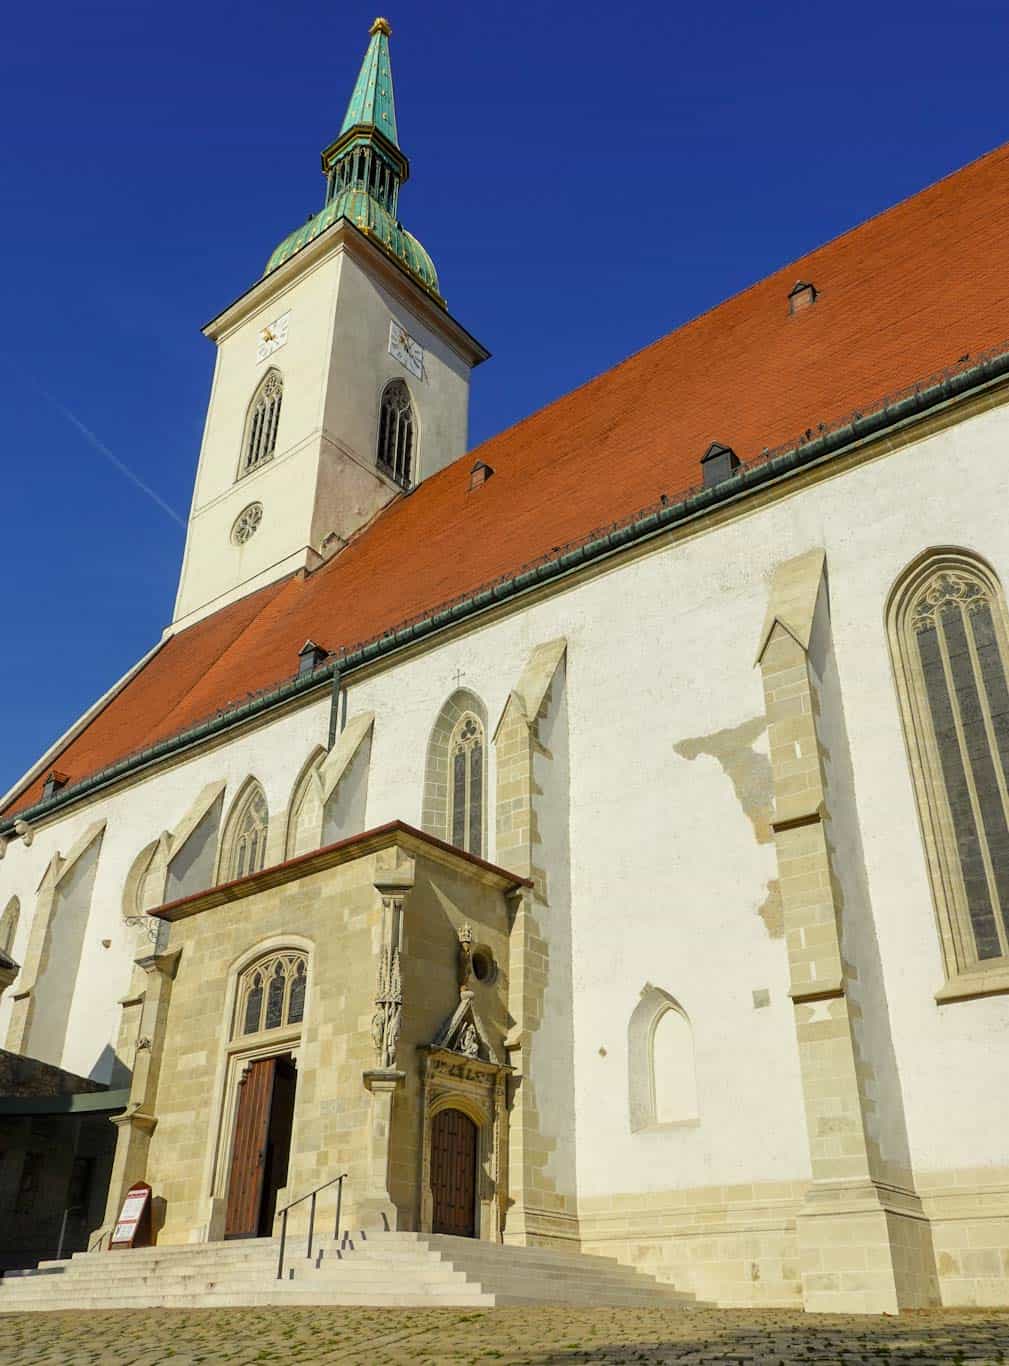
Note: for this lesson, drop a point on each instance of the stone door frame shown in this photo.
(235, 1054)
(453, 1081)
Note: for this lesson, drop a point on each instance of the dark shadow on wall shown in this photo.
(110, 1070)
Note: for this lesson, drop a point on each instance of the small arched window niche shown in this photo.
(271, 993)
(9, 926)
(396, 433)
(950, 643)
(244, 845)
(662, 1085)
(262, 420)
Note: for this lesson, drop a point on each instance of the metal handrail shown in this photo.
(282, 1214)
(70, 1209)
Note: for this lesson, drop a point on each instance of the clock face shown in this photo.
(408, 352)
(273, 336)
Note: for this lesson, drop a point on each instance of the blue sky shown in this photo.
(586, 177)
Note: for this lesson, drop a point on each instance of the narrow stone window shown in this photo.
(948, 636)
(254, 1004)
(296, 1002)
(395, 433)
(455, 774)
(271, 994)
(245, 840)
(466, 805)
(262, 422)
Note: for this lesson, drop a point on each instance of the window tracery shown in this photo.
(247, 524)
(466, 798)
(396, 433)
(948, 635)
(262, 422)
(271, 993)
(249, 825)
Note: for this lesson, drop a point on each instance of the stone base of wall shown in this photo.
(865, 1248)
(734, 1246)
(968, 1212)
(750, 1246)
(531, 1227)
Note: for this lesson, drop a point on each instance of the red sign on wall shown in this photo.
(133, 1227)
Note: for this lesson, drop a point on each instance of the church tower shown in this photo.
(341, 379)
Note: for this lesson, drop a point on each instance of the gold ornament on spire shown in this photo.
(381, 26)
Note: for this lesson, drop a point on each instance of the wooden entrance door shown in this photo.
(248, 1152)
(453, 1173)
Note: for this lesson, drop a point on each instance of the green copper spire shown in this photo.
(373, 103)
(364, 169)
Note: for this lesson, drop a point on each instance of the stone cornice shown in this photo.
(397, 833)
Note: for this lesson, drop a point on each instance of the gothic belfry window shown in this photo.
(262, 422)
(466, 763)
(950, 644)
(395, 433)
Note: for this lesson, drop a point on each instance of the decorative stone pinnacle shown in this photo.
(381, 26)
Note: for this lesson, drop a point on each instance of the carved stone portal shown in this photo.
(462, 1071)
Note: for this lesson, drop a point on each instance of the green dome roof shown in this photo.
(359, 208)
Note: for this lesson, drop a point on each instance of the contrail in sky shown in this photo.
(101, 447)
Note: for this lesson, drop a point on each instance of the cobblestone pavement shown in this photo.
(517, 1337)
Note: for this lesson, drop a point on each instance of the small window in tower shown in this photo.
(395, 433)
(261, 423)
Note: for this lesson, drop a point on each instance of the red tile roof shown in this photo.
(900, 297)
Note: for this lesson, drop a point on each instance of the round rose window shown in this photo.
(247, 523)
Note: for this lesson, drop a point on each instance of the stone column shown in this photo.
(138, 1122)
(376, 1207)
(382, 1081)
(851, 1228)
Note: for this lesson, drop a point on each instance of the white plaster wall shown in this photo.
(135, 816)
(286, 485)
(323, 477)
(361, 367)
(667, 874)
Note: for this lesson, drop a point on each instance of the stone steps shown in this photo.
(395, 1269)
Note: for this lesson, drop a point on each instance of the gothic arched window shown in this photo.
(466, 786)
(455, 774)
(950, 644)
(261, 423)
(395, 433)
(271, 993)
(245, 842)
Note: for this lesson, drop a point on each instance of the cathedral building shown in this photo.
(596, 840)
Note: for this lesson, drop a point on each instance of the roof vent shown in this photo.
(801, 295)
(479, 474)
(310, 656)
(54, 781)
(718, 463)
